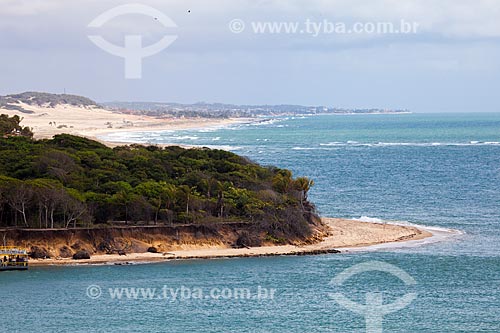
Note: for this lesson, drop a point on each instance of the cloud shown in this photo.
(55, 24)
(453, 18)
(456, 18)
(45, 47)
(21, 8)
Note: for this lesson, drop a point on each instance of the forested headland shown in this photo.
(74, 182)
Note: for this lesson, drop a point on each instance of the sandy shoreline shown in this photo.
(345, 234)
(162, 125)
(95, 122)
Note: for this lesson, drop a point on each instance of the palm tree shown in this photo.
(303, 185)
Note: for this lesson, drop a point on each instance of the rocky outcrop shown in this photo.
(247, 240)
(152, 249)
(38, 252)
(80, 255)
(65, 252)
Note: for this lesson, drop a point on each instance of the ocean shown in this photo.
(438, 170)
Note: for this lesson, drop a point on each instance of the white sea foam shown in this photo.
(369, 219)
(182, 137)
(303, 148)
(222, 147)
(312, 148)
(264, 122)
(209, 129)
(409, 144)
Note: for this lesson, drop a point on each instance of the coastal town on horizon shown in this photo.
(165, 109)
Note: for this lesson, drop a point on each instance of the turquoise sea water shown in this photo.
(428, 169)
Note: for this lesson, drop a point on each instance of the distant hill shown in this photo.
(220, 110)
(13, 102)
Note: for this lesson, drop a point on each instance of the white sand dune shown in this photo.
(91, 121)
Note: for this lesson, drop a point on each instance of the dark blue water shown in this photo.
(435, 170)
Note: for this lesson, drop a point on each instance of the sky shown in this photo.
(450, 62)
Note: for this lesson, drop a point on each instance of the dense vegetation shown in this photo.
(10, 126)
(11, 102)
(70, 181)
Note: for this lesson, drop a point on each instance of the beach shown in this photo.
(92, 122)
(344, 235)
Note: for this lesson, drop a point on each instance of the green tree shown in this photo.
(282, 182)
(123, 196)
(303, 185)
(10, 126)
(159, 194)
